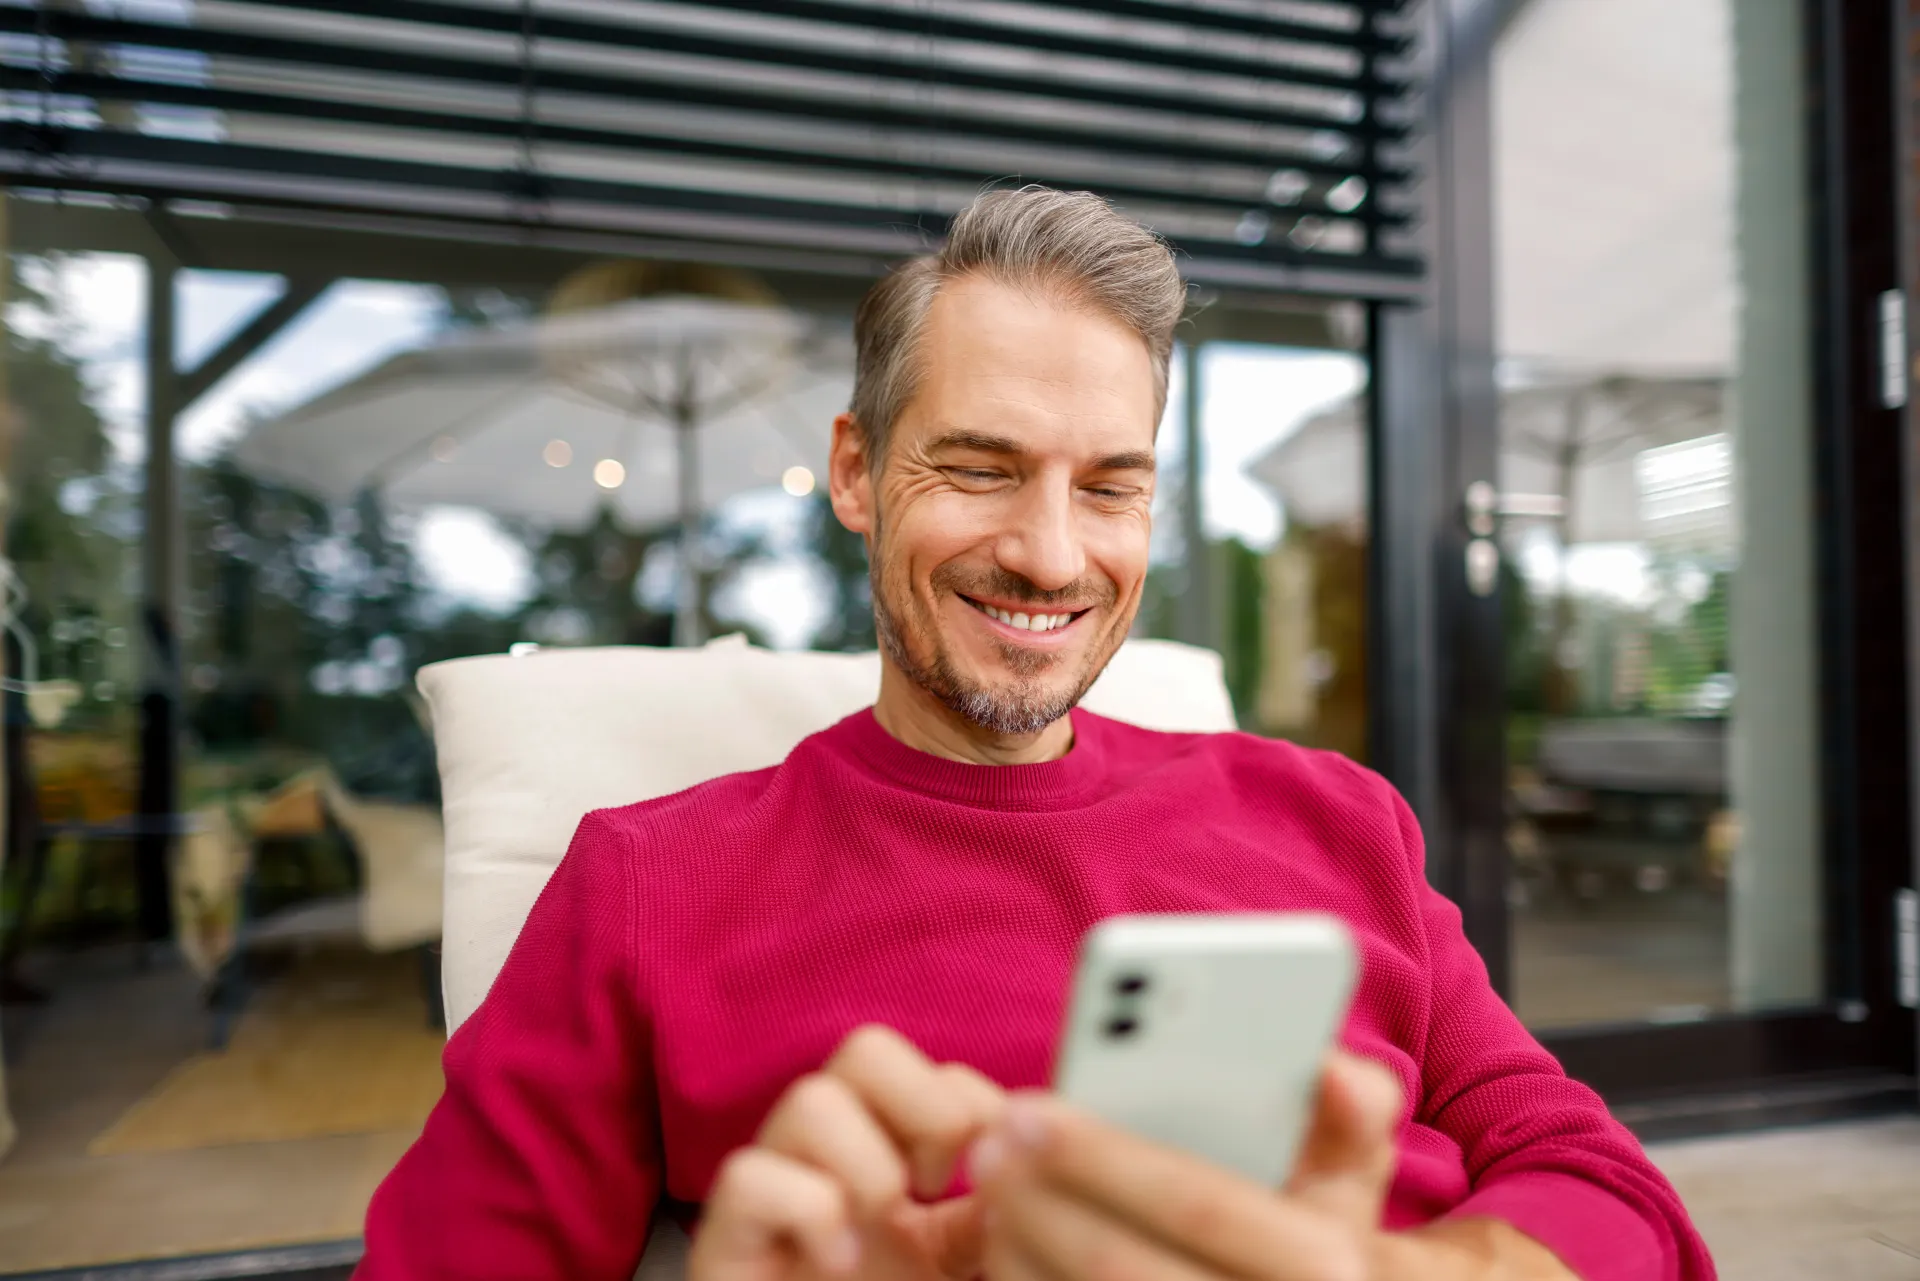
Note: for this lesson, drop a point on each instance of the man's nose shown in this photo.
(1043, 546)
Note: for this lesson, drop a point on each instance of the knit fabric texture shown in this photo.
(694, 955)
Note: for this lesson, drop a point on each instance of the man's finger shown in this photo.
(822, 1121)
(949, 1235)
(979, 1094)
(1188, 1205)
(764, 1202)
(1347, 1160)
(1062, 1238)
(931, 1111)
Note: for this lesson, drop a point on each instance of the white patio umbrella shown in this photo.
(655, 408)
(1569, 454)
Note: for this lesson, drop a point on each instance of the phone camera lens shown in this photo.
(1121, 1028)
(1130, 984)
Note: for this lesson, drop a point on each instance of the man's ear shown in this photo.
(849, 479)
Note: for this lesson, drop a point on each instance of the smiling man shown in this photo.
(803, 997)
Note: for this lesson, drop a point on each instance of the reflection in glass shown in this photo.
(1656, 512)
(1284, 516)
(290, 1024)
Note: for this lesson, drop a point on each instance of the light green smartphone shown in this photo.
(1208, 1032)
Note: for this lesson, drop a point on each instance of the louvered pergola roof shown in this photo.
(1266, 138)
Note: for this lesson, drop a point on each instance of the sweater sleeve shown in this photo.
(540, 1159)
(1542, 1152)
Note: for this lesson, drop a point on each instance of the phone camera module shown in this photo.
(1130, 984)
(1119, 1029)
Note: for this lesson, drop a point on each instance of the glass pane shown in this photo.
(248, 1084)
(1286, 506)
(1657, 512)
(69, 887)
(1284, 512)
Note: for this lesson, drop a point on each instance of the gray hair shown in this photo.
(1070, 243)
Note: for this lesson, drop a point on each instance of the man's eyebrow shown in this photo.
(987, 443)
(1132, 460)
(979, 441)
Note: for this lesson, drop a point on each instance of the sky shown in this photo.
(1255, 397)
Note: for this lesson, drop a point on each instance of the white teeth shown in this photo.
(1028, 622)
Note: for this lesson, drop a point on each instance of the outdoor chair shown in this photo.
(394, 850)
(529, 744)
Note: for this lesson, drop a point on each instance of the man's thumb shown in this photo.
(1347, 1160)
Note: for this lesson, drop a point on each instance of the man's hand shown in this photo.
(1070, 1199)
(828, 1187)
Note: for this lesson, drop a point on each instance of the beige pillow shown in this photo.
(528, 745)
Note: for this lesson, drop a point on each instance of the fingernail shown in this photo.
(988, 1154)
(1026, 1124)
(842, 1253)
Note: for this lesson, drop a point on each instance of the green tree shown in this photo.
(585, 585)
(71, 515)
(842, 554)
(1237, 570)
(305, 623)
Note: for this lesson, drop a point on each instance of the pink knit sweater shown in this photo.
(695, 954)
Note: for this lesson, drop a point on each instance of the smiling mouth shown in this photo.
(1035, 621)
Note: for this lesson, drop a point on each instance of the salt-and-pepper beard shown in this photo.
(1028, 707)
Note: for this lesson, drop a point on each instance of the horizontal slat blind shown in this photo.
(1256, 134)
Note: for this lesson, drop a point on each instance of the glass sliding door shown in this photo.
(1655, 360)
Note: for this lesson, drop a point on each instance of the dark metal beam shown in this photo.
(1403, 454)
(1198, 618)
(531, 260)
(193, 168)
(361, 245)
(173, 242)
(163, 591)
(194, 383)
(1469, 829)
(1435, 662)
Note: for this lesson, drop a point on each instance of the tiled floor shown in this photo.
(78, 1064)
(1824, 1203)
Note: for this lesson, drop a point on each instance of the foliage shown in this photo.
(842, 554)
(1660, 657)
(304, 625)
(585, 586)
(305, 621)
(71, 514)
(1237, 570)
(1526, 644)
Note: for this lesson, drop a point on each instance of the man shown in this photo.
(802, 995)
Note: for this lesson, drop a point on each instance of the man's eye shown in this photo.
(973, 473)
(1110, 494)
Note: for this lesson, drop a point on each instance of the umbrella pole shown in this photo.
(688, 627)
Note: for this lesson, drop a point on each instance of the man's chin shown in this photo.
(1011, 712)
(1008, 702)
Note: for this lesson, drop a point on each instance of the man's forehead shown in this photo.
(1005, 370)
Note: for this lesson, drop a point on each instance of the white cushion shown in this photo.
(528, 745)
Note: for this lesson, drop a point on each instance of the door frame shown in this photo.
(1439, 690)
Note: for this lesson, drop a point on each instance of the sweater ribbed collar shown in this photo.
(1057, 784)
